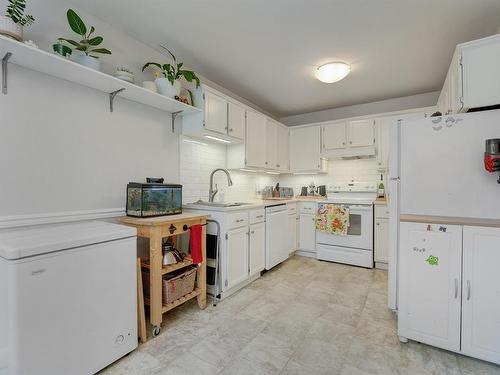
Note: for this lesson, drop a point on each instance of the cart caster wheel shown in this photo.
(156, 331)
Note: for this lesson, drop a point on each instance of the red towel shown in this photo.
(195, 244)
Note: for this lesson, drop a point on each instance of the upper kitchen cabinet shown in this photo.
(271, 144)
(236, 118)
(305, 150)
(348, 138)
(283, 147)
(473, 77)
(383, 125)
(222, 119)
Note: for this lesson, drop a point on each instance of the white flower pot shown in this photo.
(88, 61)
(166, 88)
(10, 28)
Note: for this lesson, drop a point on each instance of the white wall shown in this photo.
(61, 150)
(197, 161)
(384, 106)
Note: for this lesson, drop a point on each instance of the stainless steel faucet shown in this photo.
(212, 191)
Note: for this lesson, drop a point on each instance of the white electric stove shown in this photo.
(355, 248)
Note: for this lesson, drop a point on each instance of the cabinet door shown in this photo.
(292, 233)
(255, 145)
(382, 240)
(282, 149)
(236, 120)
(257, 248)
(307, 233)
(297, 232)
(271, 145)
(430, 280)
(237, 256)
(215, 113)
(305, 149)
(334, 136)
(481, 294)
(361, 133)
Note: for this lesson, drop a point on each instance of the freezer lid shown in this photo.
(25, 242)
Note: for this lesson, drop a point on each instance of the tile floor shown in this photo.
(304, 317)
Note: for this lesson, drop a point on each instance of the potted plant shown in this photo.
(62, 49)
(88, 45)
(169, 85)
(11, 24)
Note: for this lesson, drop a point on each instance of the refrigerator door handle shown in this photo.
(394, 178)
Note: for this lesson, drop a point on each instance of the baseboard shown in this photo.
(381, 266)
(305, 254)
(58, 217)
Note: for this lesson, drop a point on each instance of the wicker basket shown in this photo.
(175, 285)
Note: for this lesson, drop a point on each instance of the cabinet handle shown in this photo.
(343, 143)
(350, 142)
(231, 129)
(456, 288)
(252, 232)
(378, 223)
(258, 217)
(266, 162)
(468, 290)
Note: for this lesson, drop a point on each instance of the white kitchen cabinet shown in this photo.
(307, 233)
(292, 233)
(381, 240)
(335, 136)
(361, 133)
(255, 152)
(257, 247)
(215, 113)
(283, 148)
(271, 145)
(297, 232)
(430, 288)
(481, 293)
(305, 149)
(237, 256)
(236, 120)
(383, 125)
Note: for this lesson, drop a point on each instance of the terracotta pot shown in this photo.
(11, 29)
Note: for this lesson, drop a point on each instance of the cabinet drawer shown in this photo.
(292, 208)
(382, 211)
(237, 219)
(257, 216)
(307, 207)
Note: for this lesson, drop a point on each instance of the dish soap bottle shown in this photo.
(381, 189)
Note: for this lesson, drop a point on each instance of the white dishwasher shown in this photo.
(276, 235)
(68, 298)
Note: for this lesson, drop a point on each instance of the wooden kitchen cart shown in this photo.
(157, 228)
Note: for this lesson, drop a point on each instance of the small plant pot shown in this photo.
(11, 29)
(88, 61)
(166, 88)
(62, 50)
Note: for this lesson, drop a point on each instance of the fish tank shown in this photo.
(153, 199)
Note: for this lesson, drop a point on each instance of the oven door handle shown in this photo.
(359, 207)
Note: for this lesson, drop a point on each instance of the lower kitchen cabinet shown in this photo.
(292, 233)
(450, 288)
(307, 233)
(381, 240)
(257, 246)
(237, 256)
(430, 274)
(481, 293)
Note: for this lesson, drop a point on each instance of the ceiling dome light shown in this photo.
(333, 72)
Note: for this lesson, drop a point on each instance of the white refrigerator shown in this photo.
(436, 168)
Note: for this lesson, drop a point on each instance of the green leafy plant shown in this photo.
(15, 11)
(88, 44)
(174, 72)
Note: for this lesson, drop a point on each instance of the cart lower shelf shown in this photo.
(169, 306)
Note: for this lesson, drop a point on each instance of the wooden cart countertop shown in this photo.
(161, 220)
(445, 220)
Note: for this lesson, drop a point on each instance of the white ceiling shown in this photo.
(266, 50)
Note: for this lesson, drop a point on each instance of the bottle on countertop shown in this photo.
(381, 188)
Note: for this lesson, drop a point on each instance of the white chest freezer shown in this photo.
(68, 298)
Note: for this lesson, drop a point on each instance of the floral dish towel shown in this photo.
(332, 218)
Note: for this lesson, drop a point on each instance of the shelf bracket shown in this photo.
(174, 116)
(112, 98)
(5, 61)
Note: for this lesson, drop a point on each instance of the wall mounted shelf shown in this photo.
(56, 66)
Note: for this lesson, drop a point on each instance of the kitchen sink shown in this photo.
(217, 204)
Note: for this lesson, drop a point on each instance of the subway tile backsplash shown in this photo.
(197, 161)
